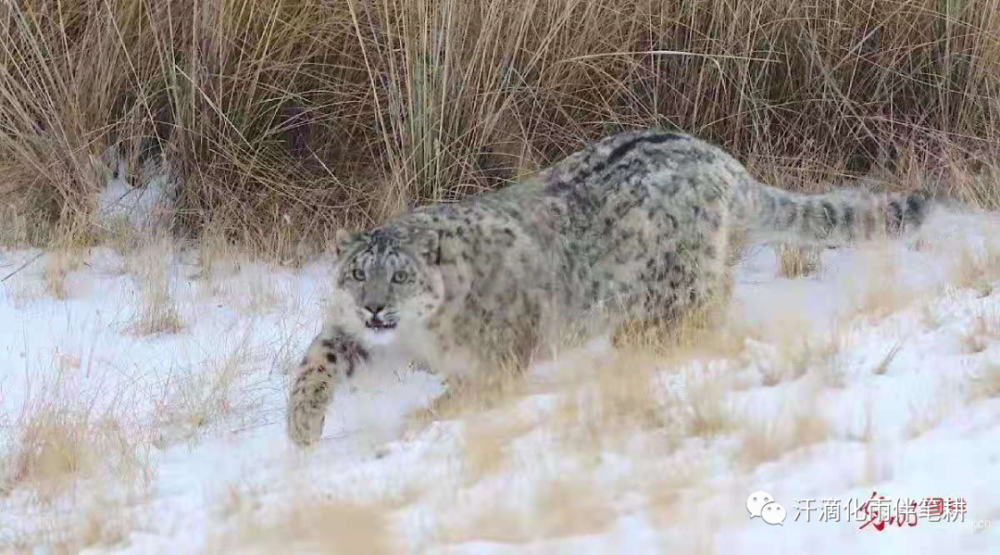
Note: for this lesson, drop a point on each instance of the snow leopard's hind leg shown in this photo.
(691, 299)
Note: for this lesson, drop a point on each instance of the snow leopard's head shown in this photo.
(393, 277)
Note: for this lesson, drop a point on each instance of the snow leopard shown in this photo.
(635, 226)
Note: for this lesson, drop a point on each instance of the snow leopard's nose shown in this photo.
(374, 309)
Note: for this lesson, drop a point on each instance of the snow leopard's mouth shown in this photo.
(378, 324)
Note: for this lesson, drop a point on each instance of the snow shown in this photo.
(145, 204)
(526, 475)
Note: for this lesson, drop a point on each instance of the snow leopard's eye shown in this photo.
(358, 274)
(400, 276)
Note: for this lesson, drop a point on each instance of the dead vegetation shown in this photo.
(58, 265)
(488, 440)
(100, 522)
(883, 366)
(797, 262)
(793, 348)
(191, 399)
(984, 331)
(558, 508)
(156, 310)
(309, 526)
(481, 392)
(986, 383)
(710, 330)
(768, 438)
(978, 269)
(883, 289)
(62, 435)
(22, 292)
(282, 120)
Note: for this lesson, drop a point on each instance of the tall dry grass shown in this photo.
(62, 434)
(277, 115)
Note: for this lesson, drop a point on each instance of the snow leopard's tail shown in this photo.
(831, 219)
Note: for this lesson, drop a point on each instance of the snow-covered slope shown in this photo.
(877, 374)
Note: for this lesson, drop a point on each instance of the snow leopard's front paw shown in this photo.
(331, 357)
(305, 423)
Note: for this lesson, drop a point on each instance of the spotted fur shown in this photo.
(635, 226)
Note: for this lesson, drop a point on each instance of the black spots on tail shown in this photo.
(830, 219)
(916, 208)
(807, 223)
(619, 152)
(848, 219)
(894, 217)
(905, 213)
(648, 138)
(791, 211)
(769, 207)
(870, 223)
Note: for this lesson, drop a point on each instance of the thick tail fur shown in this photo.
(830, 219)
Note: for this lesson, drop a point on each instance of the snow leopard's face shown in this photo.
(393, 278)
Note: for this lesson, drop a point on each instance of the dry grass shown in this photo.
(191, 399)
(986, 383)
(21, 227)
(58, 265)
(261, 293)
(977, 270)
(566, 507)
(234, 273)
(237, 499)
(481, 392)
(663, 487)
(793, 428)
(150, 268)
(797, 262)
(101, 522)
(124, 239)
(709, 411)
(740, 247)
(930, 315)
(310, 526)
(595, 408)
(61, 436)
(985, 331)
(883, 289)
(709, 331)
(654, 382)
(558, 508)
(280, 119)
(603, 406)
(286, 354)
(488, 440)
(217, 256)
(800, 352)
(22, 292)
(883, 366)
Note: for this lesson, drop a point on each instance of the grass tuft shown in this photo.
(156, 312)
(798, 262)
(284, 120)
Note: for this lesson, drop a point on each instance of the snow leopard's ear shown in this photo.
(427, 244)
(344, 240)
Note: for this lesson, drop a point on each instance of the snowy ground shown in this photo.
(878, 373)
